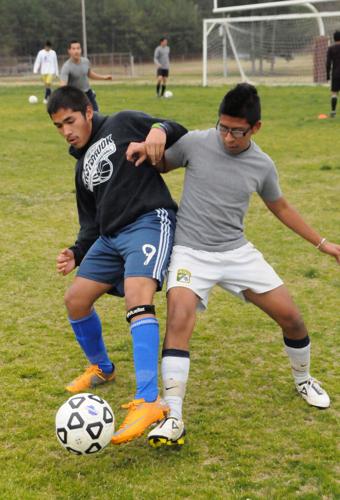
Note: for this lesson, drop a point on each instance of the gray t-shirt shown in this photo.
(76, 74)
(217, 189)
(161, 56)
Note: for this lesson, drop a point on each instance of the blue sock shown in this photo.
(88, 331)
(145, 339)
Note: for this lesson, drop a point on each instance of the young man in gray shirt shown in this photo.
(162, 61)
(223, 168)
(76, 72)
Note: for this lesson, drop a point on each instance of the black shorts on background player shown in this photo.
(162, 72)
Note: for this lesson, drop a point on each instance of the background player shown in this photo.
(223, 168)
(46, 63)
(76, 72)
(127, 220)
(333, 71)
(162, 61)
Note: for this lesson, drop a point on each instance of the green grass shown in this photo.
(249, 434)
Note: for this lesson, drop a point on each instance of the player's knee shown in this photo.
(292, 321)
(75, 304)
(180, 321)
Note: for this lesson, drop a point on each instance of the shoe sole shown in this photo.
(158, 441)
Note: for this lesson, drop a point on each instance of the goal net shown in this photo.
(281, 48)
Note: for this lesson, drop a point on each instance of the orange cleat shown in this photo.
(92, 377)
(140, 416)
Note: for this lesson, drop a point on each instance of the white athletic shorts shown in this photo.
(234, 271)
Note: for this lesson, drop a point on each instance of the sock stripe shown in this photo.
(179, 353)
(85, 318)
(142, 322)
(297, 344)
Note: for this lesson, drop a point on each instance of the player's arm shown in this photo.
(64, 76)
(289, 216)
(37, 63)
(160, 135)
(56, 67)
(156, 57)
(95, 76)
(71, 257)
(137, 154)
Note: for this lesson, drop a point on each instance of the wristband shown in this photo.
(159, 125)
(321, 243)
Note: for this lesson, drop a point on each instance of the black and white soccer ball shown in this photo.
(84, 424)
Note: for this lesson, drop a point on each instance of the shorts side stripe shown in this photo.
(163, 242)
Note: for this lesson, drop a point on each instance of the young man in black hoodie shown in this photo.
(127, 220)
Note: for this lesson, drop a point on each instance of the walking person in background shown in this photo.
(161, 59)
(333, 70)
(46, 63)
(76, 72)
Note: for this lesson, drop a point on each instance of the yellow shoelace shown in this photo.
(132, 404)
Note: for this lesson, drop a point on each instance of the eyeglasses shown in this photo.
(237, 133)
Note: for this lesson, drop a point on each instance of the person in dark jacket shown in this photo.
(333, 71)
(127, 221)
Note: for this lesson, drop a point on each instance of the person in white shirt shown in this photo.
(46, 63)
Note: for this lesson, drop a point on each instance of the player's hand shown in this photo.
(331, 249)
(65, 261)
(108, 77)
(155, 145)
(136, 153)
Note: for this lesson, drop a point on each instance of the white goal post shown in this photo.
(286, 46)
(265, 5)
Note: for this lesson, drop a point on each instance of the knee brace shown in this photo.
(138, 310)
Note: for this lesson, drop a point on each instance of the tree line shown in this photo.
(112, 25)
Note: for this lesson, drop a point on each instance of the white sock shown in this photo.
(175, 373)
(300, 362)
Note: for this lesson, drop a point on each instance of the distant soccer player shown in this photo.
(76, 72)
(223, 168)
(333, 71)
(46, 63)
(162, 61)
(127, 219)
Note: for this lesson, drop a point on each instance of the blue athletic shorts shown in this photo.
(141, 249)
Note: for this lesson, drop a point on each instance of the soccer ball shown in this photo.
(168, 94)
(33, 99)
(84, 424)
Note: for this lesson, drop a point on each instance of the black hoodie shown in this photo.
(111, 191)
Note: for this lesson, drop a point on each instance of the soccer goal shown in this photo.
(270, 42)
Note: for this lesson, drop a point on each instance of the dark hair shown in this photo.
(242, 102)
(73, 41)
(336, 36)
(68, 97)
(162, 39)
(48, 43)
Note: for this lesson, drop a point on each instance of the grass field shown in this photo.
(250, 436)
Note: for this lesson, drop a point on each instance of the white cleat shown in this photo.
(170, 432)
(313, 393)
(45, 101)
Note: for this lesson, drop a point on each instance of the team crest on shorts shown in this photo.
(183, 276)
